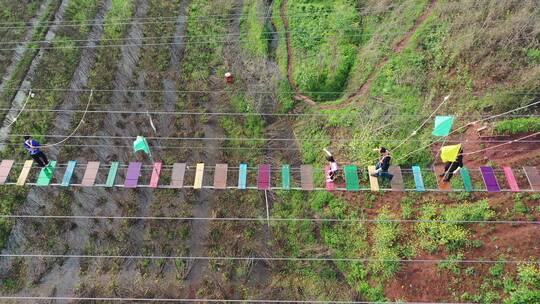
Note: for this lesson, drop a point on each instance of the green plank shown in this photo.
(286, 177)
(46, 174)
(466, 177)
(351, 178)
(111, 178)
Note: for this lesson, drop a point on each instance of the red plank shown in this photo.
(443, 186)
(511, 179)
(263, 179)
(155, 175)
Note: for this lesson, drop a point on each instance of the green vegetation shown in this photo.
(517, 125)
(324, 44)
(24, 63)
(453, 236)
(528, 286)
(256, 27)
(55, 70)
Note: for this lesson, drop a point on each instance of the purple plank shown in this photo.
(132, 175)
(490, 180)
(263, 179)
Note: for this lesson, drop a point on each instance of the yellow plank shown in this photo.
(199, 172)
(24, 173)
(373, 181)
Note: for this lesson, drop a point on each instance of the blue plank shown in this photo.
(66, 181)
(418, 179)
(242, 177)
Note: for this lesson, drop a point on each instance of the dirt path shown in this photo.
(397, 49)
(173, 73)
(21, 48)
(26, 84)
(211, 155)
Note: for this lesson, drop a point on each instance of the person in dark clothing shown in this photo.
(451, 168)
(383, 164)
(32, 146)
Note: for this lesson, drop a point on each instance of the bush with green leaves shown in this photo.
(324, 44)
(517, 125)
(451, 235)
(385, 246)
(527, 289)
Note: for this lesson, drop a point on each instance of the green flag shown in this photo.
(141, 144)
(443, 125)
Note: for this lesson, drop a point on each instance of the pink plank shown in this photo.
(155, 175)
(511, 179)
(90, 174)
(330, 185)
(263, 180)
(5, 168)
(132, 175)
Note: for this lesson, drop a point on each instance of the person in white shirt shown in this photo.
(331, 174)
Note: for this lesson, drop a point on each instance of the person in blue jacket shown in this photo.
(32, 146)
(383, 164)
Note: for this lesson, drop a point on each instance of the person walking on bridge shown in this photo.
(32, 146)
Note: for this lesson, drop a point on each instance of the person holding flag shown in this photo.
(453, 158)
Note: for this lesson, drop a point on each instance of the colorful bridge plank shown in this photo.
(330, 185)
(90, 174)
(511, 179)
(24, 172)
(111, 177)
(199, 172)
(156, 172)
(132, 175)
(306, 177)
(490, 180)
(418, 180)
(352, 183)
(242, 176)
(466, 177)
(373, 181)
(263, 178)
(397, 181)
(286, 177)
(66, 180)
(177, 176)
(46, 174)
(5, 168)
(220, 176)
(443, 186)
(533, 176)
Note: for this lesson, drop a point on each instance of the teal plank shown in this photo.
(466, 177)
(46, 174)
(111, 178)
(242, 177)
(351, 178)
(286, 177)
(66, 181)
(418, 179)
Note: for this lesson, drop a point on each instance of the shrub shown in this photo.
(518, 125)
